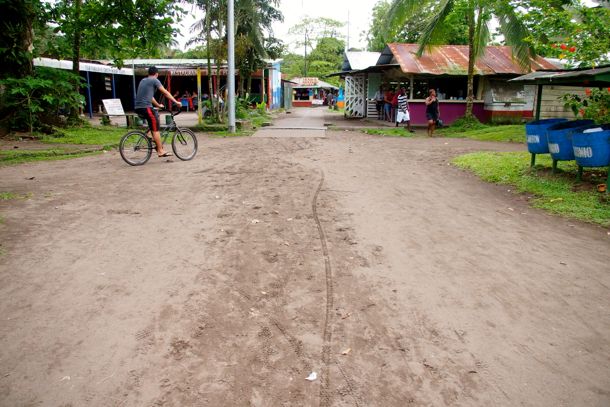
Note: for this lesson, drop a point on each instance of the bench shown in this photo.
(132, 120)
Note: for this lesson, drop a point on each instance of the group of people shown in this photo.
(393, 106)
(191, 98)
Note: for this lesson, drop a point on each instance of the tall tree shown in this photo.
(254, 38)
(312, 29)
(479, 14)
(113, 29)
(16, 36)
(575, 32)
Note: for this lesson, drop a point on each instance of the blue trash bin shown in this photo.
(535, 131)
(592, 149)
(560, 139)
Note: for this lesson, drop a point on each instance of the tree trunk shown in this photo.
(470, 88)
(76, 48)
(240, 87)
(208, 38)
(217, 59)
(17, 34)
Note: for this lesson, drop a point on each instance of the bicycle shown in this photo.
(136, 146)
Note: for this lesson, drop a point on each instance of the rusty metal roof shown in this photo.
(453, 60)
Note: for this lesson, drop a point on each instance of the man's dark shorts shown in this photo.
(431, 116)
(379, 105)
(151, 116)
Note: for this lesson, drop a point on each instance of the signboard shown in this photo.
(113, 107)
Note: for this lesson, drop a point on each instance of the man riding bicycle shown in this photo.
(145, 99)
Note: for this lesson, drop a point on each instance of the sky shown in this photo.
(295, 10)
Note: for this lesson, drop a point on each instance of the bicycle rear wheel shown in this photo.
(184, 144)
(135, 148)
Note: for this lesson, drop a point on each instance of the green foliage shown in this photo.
(99, 136)
(109, 30)
(40, 98)
(6, 196)
(254, 40)
(571, 30)
(557, 193)
(595, 105)
(293, 65)
(261, 108)
(328, 49)
(10, 157)
(321, 34)
(482, 132)
(454, 31)
(389, 132)
(325, 58)
(19, 18)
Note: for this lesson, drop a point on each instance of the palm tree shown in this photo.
(253, 19)
(479, 14)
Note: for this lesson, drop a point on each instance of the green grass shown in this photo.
(507, 133)
(9, 157)
(107, 137)
(389, 132)
(557, 193)
(5, 196)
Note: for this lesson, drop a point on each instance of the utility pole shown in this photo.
(231, 72)
(305, 52)
(347, 30)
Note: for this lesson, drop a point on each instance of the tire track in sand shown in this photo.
(325, 396)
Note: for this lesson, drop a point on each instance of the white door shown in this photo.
(355, 96)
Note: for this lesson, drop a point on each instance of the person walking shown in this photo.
(432, 111)
(402, 112)
(387, 105)
(145, 99)
(395, 104)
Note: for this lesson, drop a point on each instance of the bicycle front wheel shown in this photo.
(184, 144)
(135, 148)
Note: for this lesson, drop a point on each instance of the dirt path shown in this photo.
(227, 280)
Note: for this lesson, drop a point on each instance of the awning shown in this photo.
(83, 66)
(594, 77)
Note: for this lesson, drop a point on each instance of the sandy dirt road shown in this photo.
(227, 280)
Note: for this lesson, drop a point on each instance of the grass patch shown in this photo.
(557, 193)
(389, 132)
(8, 157)
(6, 196)
(508, 133)
(106, 137)
(238, 133)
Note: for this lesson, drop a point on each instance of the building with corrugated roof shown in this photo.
(310, 91)
(445, 69)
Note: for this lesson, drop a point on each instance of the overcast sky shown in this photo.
(295, 10)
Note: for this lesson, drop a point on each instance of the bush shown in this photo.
(464, 124)
(40, 100)
(595, 106)
(261, 108)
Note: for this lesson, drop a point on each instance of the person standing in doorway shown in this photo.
(145, 99)
(402, 112)
(432, 111)
(379, 103)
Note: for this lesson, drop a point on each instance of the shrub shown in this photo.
(595, 105)
(40, 99)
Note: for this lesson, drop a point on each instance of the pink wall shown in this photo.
(450, 111)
